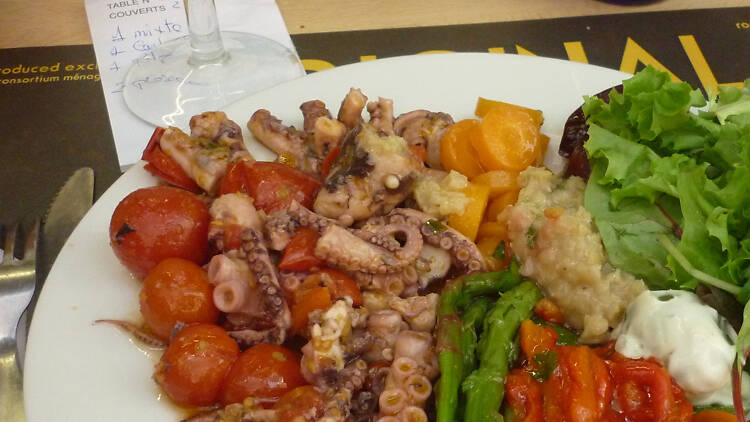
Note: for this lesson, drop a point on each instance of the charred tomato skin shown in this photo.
(155, 223)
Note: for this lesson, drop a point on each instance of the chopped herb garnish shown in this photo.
(565, 337)
(499, 251)
(547, 362)
(435, 226)
(531, 237)
(282, 193)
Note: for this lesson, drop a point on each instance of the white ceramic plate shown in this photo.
(78, 371)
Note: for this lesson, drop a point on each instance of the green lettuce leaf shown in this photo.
(659, 168)
(631, 232)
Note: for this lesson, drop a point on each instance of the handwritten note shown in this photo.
(124, 31)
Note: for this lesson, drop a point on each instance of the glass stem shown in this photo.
(205, 37)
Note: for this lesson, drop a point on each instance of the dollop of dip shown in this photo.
(693, 342)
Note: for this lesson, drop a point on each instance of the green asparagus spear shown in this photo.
(449, 296)
(485, 387)
(450, 357)
(471, 321)
(455, 296)
(489, 283)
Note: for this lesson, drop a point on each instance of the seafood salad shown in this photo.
(409, 267)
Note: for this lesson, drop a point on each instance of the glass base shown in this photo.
(164, 89)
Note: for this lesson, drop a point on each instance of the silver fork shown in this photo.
(17, 283)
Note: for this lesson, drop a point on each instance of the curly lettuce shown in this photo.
(661, 169)
(670, 186)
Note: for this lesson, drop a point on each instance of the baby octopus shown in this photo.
(304, 149)
(247, 283)
(424, 128)
(408, 384)
(371, 175)
(397, 253)
(372, 167)
(214, 143)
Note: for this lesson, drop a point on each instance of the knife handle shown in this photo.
(11, 385)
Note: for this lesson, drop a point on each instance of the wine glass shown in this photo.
(204, 70)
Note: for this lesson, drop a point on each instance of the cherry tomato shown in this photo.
(297, 403)
(160, 222)
(536, 339)
(305, 301)
(341, 285)
(176, 290)
(194, 366)
(164, 167)
(318, 291)
(587, 386)
(524, 397)
(234, 179)
(271, 185)
(299, 254)
(549, 311)
(645, 392)
(265, 372)
(714, 416)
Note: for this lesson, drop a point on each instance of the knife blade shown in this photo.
(71, 203)
(68, 207)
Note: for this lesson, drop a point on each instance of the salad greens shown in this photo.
(659, 170)
(669, 188)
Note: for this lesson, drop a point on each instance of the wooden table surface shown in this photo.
(28, 23)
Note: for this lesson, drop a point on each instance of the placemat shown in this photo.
(54, 119)
(701, 47)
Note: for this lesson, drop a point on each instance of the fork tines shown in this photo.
(9, 245)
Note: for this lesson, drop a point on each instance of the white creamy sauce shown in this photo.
(692, 341)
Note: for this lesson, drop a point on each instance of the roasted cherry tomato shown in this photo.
(160, 222)
(307, 300)
(164, 167)
(265, 372)
(299, 254)
(536, 339)
(586, 384)
(176, 290)
(524, 397)
(300, 402)
(341, 285)
(194, 366)
(714, 416)
(581, 385)
(645, 392)
(271, 185)
(549, 311)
